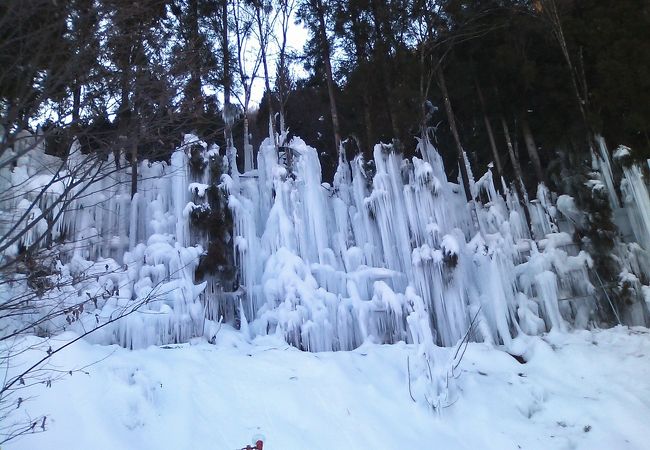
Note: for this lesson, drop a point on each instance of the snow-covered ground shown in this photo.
(585, 389)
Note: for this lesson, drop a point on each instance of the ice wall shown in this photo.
(116, 255)
(631, 215)
(378, 257)
(390, 251)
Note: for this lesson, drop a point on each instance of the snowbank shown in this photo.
(583, 390)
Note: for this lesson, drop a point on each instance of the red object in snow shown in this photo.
(259, 445)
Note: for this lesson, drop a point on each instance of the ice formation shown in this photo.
(634, 189)
(119, 254)
(388, 252)
(395, 255)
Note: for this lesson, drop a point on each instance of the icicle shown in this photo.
(382, 257)
(330, 267)
(636, 199)
(605, 166)
(546, 283)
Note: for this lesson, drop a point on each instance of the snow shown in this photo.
(397, 257)
(580, 390)
(394, 257)
(621, 152)
(198, 188)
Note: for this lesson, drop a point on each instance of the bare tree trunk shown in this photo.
(226, 53)
(454, 131)
(76, 102)
(549, 9)
(248, 150)
(263, 35)
(389, 99)
(134, 165)
(328, 73)
(490, 133)
(194, 91)
(368, 120)
(282, 95)
(227, 88)
(360, 40)
(134, 128)
(286, 9)
(124, 115)
(378, 12)
(423, 96)
(246, 81)
(532, 149)
(521, 189)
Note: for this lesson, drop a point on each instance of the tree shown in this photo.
(610, 43)
(248, 64)
(192, 58)
(135, 49)
(549, 11)
(353, 29)
(229, 112)
(283, 83)
(32, 39)
(264, 21)
(312, 12)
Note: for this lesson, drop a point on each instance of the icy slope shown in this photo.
(583, 390)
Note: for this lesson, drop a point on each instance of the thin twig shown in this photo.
(408, 370)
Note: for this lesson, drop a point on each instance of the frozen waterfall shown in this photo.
(376, 257)
(388, 252)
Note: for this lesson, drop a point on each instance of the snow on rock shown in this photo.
(198, 188)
